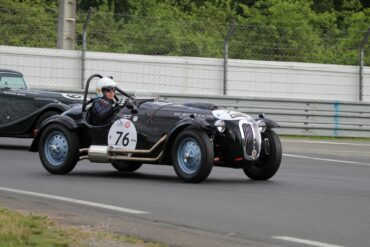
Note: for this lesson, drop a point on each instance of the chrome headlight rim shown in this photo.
(220, 125)
(261, 125)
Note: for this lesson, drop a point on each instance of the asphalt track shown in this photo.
(319, 197)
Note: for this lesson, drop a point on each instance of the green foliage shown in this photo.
(28, 23)
(318, 31)
(282, 30)
(19, 230)
(30, 230)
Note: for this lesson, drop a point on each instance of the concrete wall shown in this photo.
(61, 69)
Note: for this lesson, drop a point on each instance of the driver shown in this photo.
(106, 105)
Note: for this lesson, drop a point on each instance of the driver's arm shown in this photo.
(103, 111)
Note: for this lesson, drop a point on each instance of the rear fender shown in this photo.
(59, 119)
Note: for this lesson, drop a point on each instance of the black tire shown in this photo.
(43, 117)
(267, 165)
(125, 166)
(58, 149)
(201, 156)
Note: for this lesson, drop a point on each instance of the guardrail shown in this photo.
(296, 117)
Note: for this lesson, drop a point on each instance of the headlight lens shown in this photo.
(261, 125)
(221, 126)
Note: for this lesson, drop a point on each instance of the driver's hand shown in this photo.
(122, 102)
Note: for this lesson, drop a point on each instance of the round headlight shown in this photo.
(261, 125)
(221, 126)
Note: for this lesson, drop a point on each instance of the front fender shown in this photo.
(270, 124)
(195, 122)
(181, 125)
(59, 119)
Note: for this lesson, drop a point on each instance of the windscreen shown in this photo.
(11, 81)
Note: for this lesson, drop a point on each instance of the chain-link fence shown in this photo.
(193, 55)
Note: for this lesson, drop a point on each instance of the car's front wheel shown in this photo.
(125, 166)
(58, 149)
(267, 165)
(192, 155)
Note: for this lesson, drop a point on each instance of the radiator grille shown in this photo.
(251, 139)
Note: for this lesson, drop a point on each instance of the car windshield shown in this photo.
(12, 81)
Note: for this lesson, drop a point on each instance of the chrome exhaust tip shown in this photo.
(98, 154)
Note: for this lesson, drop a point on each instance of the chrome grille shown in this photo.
(251, 139)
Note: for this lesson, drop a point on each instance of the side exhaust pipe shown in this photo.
(104, 154)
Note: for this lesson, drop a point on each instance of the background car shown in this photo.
(191, 137)
(23, 110)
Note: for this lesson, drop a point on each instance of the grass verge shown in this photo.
(18, 229)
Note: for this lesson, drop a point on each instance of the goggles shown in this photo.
(109, 89)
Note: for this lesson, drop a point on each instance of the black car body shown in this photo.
(23, 110)
(193, 137)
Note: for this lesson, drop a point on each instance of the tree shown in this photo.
(277, 30)
(28, 23)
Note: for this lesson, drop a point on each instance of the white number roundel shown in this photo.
(122, 134)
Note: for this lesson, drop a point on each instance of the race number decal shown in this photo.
(122, 134)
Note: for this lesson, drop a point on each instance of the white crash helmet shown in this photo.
(104, 82)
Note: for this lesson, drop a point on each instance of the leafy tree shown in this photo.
(357, 25)
(86, 4)
(28, 23)
(277, 30)
(322, 31)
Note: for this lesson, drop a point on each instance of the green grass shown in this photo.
(19, 230)
(30, 230)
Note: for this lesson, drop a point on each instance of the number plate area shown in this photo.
(123, 134)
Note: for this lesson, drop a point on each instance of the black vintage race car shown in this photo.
(191, 137)
(23, 110)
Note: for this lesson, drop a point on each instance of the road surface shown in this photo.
(319, 197)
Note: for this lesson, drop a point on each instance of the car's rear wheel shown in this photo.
(267, 165)
(125, 166)
(192, 155)
(58, 149)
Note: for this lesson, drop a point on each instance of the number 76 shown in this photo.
(125, 139)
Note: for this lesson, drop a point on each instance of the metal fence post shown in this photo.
(362, 51)
(83, 58)
(226, 53)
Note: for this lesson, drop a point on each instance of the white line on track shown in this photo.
(329, 160)
(75, 201)
(305, 241)
(327, 142)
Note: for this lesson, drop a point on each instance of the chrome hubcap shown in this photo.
(189, 156)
